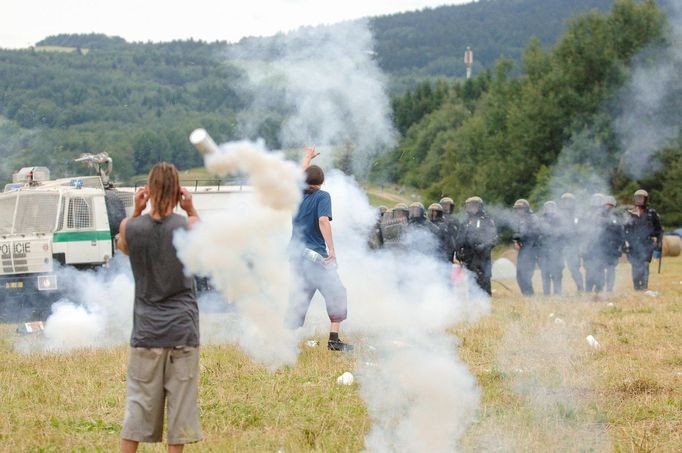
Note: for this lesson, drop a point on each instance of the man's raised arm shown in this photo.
(310, 153)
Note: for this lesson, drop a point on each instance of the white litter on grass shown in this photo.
(551, 315)
(345, 379)
(592, 342)
(312, 343)
(30, 328)
(651, 293)
(559, 322)
(610, 305)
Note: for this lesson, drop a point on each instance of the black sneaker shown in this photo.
(338, 345)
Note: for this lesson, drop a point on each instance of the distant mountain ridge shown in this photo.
(431, 42)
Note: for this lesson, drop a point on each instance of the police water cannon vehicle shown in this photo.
(46, 224)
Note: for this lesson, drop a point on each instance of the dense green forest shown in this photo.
(136, 102)
(553, 128)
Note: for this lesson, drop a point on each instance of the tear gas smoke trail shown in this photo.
(419, 395)
(244, 250)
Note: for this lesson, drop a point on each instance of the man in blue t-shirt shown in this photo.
(313, 257)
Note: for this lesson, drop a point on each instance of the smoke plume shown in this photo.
(95, 310)
(243, 249)
(651, 118)
(327, 82)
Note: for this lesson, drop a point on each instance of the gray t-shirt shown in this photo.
(165, 312)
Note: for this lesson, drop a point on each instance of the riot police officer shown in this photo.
(593, 231)
(450, 226)
(571, 225)
(422, 235)
(526, 238)
(643, 234)
(476, 238)
(435, 213)
(551, 258)
(376, 237)
(614, 241)
(393, 225)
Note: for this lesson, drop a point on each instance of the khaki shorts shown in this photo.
(157, 377)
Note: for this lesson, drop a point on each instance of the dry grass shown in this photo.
(543, 387)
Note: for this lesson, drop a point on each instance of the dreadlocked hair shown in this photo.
(164, 187)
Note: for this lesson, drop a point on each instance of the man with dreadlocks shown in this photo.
(163, 369)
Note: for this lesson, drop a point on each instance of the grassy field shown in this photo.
(543, 387)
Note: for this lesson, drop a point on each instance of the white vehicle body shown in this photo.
(72, 221)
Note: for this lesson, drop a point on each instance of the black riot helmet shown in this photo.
(447, 204)
(435, 212)
(416, 211)
(641, 198)
(473, 205)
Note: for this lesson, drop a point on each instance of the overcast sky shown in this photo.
(24, 22)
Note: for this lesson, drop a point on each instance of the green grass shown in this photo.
(543, 388)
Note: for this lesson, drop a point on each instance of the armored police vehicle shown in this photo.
(46, 224)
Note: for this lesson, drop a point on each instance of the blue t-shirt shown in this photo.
(306, 223)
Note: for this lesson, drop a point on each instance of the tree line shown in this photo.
(550, 129)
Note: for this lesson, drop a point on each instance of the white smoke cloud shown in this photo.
(244, 251)
(95, 310)
(327, 81)
(651, 118)
(418, 393)
(276, 181)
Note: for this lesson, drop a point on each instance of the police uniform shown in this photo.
(476, 238)
(421, 234)
(526, 236)
(614, 241)
(593, 252)
(551, 252)
(571, 225)
(640, 230)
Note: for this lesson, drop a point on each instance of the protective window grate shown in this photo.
(62, 213)
(36, 213)
(79, 214)
(7, 205)
(128, 198)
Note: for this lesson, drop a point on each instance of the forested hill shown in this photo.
(431, 42)
(89, 93)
